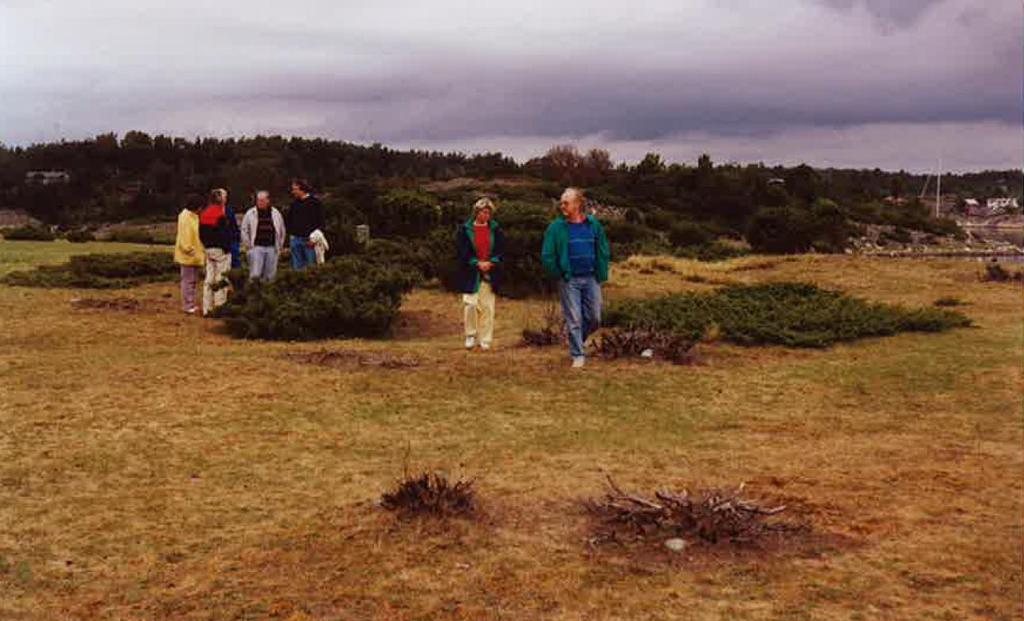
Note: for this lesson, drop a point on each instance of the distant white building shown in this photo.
(1000, 205)
(47, 177)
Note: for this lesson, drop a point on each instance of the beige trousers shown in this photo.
(478, 313)
(218, 263)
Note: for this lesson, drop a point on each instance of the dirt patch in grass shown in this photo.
(125, 305)
(347, 357)
(425, 324)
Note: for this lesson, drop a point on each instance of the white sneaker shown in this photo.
(578, 362)
(470, 342)
(485, 346)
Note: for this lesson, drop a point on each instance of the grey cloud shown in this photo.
(896, 13)
(449, 73)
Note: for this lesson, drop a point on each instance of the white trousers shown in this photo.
(218, 263)
(478, 313)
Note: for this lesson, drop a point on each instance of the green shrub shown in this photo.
(684, 234)
(80, 236)
(29, 233)
(790, 314)
(780, 230)
(714, 251)
(346, 297)
(627, 239)
(404, 213)
(913, 215)
(99, 271)
(898, 235)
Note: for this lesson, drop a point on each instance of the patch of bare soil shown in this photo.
(126, 305)
(347, 357)
(425, 324)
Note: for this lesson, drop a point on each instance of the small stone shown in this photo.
(647, 353)
(675, 544)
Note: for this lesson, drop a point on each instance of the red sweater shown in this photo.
(482, 239)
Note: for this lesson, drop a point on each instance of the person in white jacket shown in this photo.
(263, 236)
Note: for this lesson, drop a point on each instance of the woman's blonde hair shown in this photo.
(484, 203)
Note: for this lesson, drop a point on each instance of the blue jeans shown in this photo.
(262, 263)
(302, 255)
(581, 306)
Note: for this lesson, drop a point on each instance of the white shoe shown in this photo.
(485, 346)
(470, 342)
(578, 362)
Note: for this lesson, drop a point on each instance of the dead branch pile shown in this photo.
(552, 332)
(711, 515)
(431, 494)
(994, 272)
(341, 357)
(625, 343)
(115, 304)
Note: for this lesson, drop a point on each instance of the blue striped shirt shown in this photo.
(582, 253)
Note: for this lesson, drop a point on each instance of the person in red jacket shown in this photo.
(216, 234)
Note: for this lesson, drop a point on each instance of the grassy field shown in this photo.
(21, 255)
(154, 468)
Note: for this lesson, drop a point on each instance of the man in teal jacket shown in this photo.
(576, 253)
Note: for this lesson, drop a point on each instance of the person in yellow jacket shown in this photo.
(189, 253)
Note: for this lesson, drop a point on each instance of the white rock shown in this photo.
(647, 353)
(676, 544)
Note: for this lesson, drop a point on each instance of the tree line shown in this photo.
(413, 194)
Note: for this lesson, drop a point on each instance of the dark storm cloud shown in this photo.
(732, 72)
(900, 13)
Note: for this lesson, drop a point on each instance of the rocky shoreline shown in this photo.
(891, 241)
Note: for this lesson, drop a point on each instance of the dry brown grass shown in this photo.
(153, 468)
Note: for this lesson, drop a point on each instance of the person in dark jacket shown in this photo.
(480, 243)
(215, 233)
(236, 237)
(305, 216)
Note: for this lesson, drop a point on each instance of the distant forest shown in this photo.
(142, 177)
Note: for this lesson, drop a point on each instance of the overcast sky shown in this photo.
(864, 83)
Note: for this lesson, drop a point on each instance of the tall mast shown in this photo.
(938, 189)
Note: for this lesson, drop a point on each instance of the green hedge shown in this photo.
(80, 236)
(99, 271)
(140, 236)
(346, 297)
(29, 233)
(790, 314)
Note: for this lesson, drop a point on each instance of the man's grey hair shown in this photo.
(262, 194)
(575, 193)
